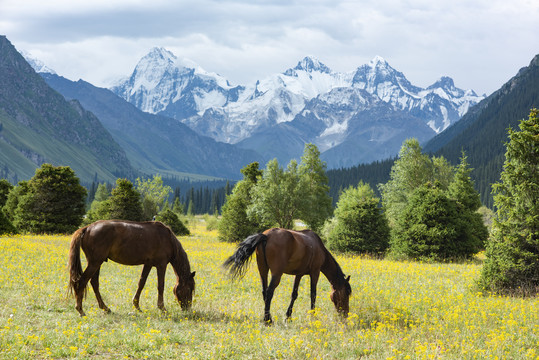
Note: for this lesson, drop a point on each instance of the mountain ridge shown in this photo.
(210, 105)
(39, 125)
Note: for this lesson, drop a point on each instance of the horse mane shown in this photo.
(340, 278)
(179, 261)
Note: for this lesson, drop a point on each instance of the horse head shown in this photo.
(184, 292)
(341, 297)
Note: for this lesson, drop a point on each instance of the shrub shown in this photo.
(359, 225)
(53, 203)
(169, 218)
(433, 227)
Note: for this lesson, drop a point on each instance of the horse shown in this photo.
(291, 252)
(129, 243)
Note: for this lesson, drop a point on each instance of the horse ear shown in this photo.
(193, 274)
(348, 278)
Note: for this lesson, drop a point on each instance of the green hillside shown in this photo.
(38, 125)
(482, 132)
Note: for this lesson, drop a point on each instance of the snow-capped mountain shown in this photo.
(209, 104)
(163, 83)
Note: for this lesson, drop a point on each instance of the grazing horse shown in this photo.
(290, 252)
(129, 243)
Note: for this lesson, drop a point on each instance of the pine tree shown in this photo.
(462, 187)
(512, 263)
(124, 202)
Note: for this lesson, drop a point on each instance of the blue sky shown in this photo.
(480, 44)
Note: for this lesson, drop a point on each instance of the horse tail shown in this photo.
(74, 265)
(237, 263)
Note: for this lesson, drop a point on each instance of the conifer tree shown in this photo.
(512, 263)
(124, 202)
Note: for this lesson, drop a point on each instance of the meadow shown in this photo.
(398, 310)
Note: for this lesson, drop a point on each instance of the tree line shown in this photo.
(426, 210)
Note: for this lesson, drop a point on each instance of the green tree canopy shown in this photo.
(462, 188)
(12, 200)
(235, 225)
(124, 202)
(317, 204)
(431, 227)
(359, 225)
(53, 203)
(99, 208)
(153, 195)
(411, 170)
(5, 188)
(512, 263)
(171, 219)
(277, 197)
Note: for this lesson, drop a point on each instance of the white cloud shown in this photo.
(481, 44)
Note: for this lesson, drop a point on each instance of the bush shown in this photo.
(434, 227)
(169, 218)
(53, 203)
(359, 225)
(212, 222)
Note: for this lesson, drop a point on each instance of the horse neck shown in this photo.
(180, 263)
(332, 271)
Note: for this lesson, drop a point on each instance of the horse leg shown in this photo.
(95, 285)
(314, 282)
(161, 269)
(83, 281)
(294, 296)
(145, 272)
(275, 280)
(263, 271)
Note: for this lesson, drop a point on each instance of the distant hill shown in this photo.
(38, 125)
(482, 132)
(154, 143)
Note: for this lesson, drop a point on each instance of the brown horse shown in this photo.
(290, 252)
(129, 243)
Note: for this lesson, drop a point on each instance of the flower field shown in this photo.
(398, 310)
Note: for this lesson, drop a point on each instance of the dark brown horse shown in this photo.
(129, 243)
(290, 252)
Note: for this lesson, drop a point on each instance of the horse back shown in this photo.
(127, 242)
(294, 252)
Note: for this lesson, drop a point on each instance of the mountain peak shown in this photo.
(445, 82)
(38, 65)
(310, 64)
(160, 53)
(378, 61)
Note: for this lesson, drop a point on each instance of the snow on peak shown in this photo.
(378, 61)
(38, 65)
(310, 64)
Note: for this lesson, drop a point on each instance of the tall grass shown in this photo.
(399, 310)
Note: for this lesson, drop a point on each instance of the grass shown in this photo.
(399, 310)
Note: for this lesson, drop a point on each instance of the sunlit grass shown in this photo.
(399, 310)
